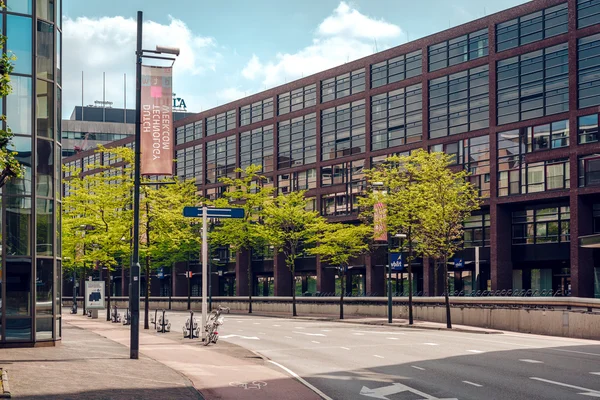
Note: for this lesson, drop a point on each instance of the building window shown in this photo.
(350, 174)
(474, 155)
(532, 27)
(294, 181)
(588, 71)
(297, 141)
(381, 160)
(297, 99)
(459, 102)
(220, 123)
(533, 85)
(189, 132)
(587, 128)
(256, 147)
(548, 136)
(220, 159)
(259, 111)
(596, 216)
(396, 118)
(588, 13)
(541, 225)
(458, 50)
(589, 170)
(343, 130)
(396, 69)
(343, 85)
(189, 163)
(346, 172)
(477, 231)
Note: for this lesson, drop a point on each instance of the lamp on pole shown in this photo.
(134, 294)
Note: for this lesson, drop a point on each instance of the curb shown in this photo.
(480, 331)
(5, 394)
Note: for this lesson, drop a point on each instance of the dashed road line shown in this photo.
(314, 341)
(472, 383)
(288, 337)
(392, 338)
(345, 348)
(378, 356)
(475, 351)
(419, 368)
(277, 325)
(431, 344)
(527, 360)
(359, 334)
(595, 373)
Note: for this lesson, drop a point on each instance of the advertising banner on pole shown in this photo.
(379, 222)
(94, 295)
(157, 121)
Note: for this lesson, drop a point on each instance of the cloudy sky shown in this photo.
(234, 48)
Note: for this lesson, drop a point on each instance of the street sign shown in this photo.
(161, 273)
(459, 263)
(196, 212)
(396, 261)
(94, 295)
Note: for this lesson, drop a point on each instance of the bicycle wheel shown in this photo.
(208, 337)
(215, 338)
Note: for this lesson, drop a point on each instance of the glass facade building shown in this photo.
(30, 273)
(513, 97)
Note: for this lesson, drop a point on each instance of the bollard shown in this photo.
(165, 325)
(192, 326)
(116, 317)
(127, 319)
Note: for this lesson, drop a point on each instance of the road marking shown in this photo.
(475, 351)
(288, 337)
(586, 392)
(431, 344)
(276, 325)
(378, 356)
(472, 383)
(314, 341)
(392, 338)
(382, 332)
(240, 336)
(240, 330)
(578, 352)
(531, 361)
(359, 334)
(419, 368)
(309, 334)
(299, 327)
(382, 392)
(261, 333)
(595, 373)
(325, 330)
(308, 385)
(256, 323)
(345, 348)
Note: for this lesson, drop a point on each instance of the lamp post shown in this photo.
(134, 294)
(402, 236)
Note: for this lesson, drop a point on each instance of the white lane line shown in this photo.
(261, 333)
(431, 344)
(381, 332)
(419, 368)
(359, 334)
(299, 327)
(578, 352)
(308, 385)
(314, 341)
(288, 337)
(472, 383)
(392, 338)
(589, 392)
(531, 361)
(325, 330)
(345, 348)
(309, 334)
(595, 373)
(378, 356)
(256, 323)
(277, 325)
(475, 351)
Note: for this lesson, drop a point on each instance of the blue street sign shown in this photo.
(196, 212)
(161, 273)
(396, 261)
(459, 263)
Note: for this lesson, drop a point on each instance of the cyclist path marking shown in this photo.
(216, 374)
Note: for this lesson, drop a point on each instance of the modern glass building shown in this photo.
(515, 98)
(31, 263)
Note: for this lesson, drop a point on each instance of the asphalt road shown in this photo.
(353, 361)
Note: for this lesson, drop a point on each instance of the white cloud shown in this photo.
(344, 36)
(97, 45)
(230, 94)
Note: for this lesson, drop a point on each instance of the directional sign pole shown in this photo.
(204, 268)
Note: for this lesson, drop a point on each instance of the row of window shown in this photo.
(396, 69)
(343, 130)
(458, 50)
(541, 225)
(297, 141)
(343, 85)
(102, 137)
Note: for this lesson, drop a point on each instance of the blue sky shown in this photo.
(235, 48)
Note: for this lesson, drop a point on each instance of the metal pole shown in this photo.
(204, 267)
(476, 280)
(134, 294)
(209, 285)
(189, 276)
(389, 286)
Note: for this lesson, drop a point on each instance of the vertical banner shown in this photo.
(157, 121)
(379, 222)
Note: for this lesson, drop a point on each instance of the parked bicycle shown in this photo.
(214, 320)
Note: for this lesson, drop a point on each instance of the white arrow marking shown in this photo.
(240, 336)
(586, 392)
(308, 334)
(382, 392)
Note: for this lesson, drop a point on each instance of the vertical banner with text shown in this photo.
(380, 225)
(157, 121)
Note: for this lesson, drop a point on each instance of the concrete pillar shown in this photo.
(501, 247)
(281, 275)
(241, 273)
(325, 278)
(582, 259)
(375, 272)
(428, 277)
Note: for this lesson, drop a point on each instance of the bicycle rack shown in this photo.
(115, 315)
(127, 318)
(190, 328)
(163, 325)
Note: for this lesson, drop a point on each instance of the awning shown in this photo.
(590, 241)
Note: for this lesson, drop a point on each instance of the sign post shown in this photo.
(205, 213)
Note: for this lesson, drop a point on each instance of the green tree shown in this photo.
(9, 165)
(289, 225)
(449, 199)
(337, 244)
(244, 234)
(396, 184)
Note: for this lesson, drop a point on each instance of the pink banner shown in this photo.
(157, 121)
(379, 222)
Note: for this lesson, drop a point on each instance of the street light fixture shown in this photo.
(134, 294)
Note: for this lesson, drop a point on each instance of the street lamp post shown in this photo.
(134, 294)
(402, 236)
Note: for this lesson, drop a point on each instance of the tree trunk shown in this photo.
(410, 279)
(147, 295)
(107, 294)
(435, 276)
(294, 313)
(447, 289)
(250, 281)
(342, 293)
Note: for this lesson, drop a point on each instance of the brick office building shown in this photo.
(515, 96)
